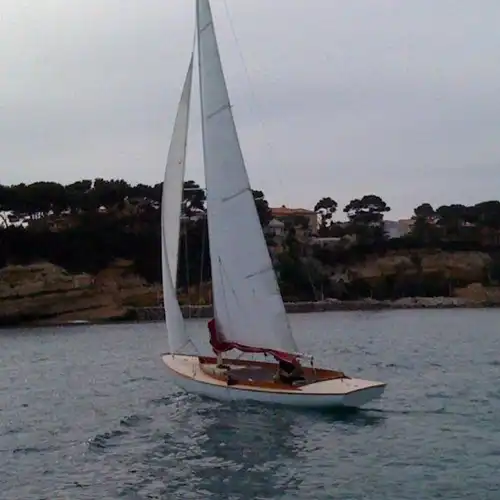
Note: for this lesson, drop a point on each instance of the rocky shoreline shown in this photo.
(206, 311)
(154, 314)
(44, 294)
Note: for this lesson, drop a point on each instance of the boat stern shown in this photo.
(351, 392)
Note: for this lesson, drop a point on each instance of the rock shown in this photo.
(465, 266)
(48, 294)
(39, 278)
(43, 293)
(477, 293)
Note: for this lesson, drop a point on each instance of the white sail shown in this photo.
(170, 217)
(248, 306)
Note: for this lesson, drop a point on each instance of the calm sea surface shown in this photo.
(89, 413)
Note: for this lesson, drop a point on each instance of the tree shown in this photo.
(109, 194)
(4, 199)
(33, 201)
(325, 208)
(485, 214)
(423, 228)
(63, 224)
(293, 278)
(142, 192)
(193, 199)
(48, 197)
(424, 211)
(366, 216)
(369, 209)
(21, 203)
(451, 219)
(262, 206)
(77, 194)
(84, 239)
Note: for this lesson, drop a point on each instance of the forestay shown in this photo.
(170, 217)
(248, 306)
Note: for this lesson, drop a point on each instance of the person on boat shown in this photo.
(289, 372)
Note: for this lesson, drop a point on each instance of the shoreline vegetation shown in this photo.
(89, 252)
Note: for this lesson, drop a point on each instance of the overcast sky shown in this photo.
(332, 98)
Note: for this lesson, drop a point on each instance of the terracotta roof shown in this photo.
(290, 211)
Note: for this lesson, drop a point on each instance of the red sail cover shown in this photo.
(219, 344)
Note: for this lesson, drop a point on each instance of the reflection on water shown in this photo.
(354, 416)
(257, 443)
(241, 449)
(221, 448)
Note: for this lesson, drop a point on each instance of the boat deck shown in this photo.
(257, 376)
(262, 374)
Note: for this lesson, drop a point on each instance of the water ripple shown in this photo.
(92, 415)
(105, 440)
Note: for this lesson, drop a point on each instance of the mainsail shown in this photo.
(249, 309)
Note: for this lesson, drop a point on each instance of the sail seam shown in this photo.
(261, 271)
(210, 23)
(235, 195)
(217, 111)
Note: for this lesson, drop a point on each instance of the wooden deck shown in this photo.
(261, 374)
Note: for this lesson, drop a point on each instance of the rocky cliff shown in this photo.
(45, 293)
(463, 266)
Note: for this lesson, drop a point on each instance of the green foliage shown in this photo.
(366, 217)
(424, 211)
(478, 223)
(193, 200)
(325, 208)
(294, 278)
(85, 225)
(369, 210)
(424, 228)
(262, 206)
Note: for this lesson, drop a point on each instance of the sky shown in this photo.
(335, 98)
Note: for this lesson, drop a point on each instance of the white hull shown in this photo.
(341, 392)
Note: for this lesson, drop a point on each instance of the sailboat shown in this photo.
(249, 313)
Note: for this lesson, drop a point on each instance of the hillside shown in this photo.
(91, 251)
(43, 293)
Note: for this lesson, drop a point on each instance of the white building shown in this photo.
(397, 228)
(275, 228)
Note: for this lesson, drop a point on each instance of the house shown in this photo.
(275, 228)
(398, 228)
(292, 216)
